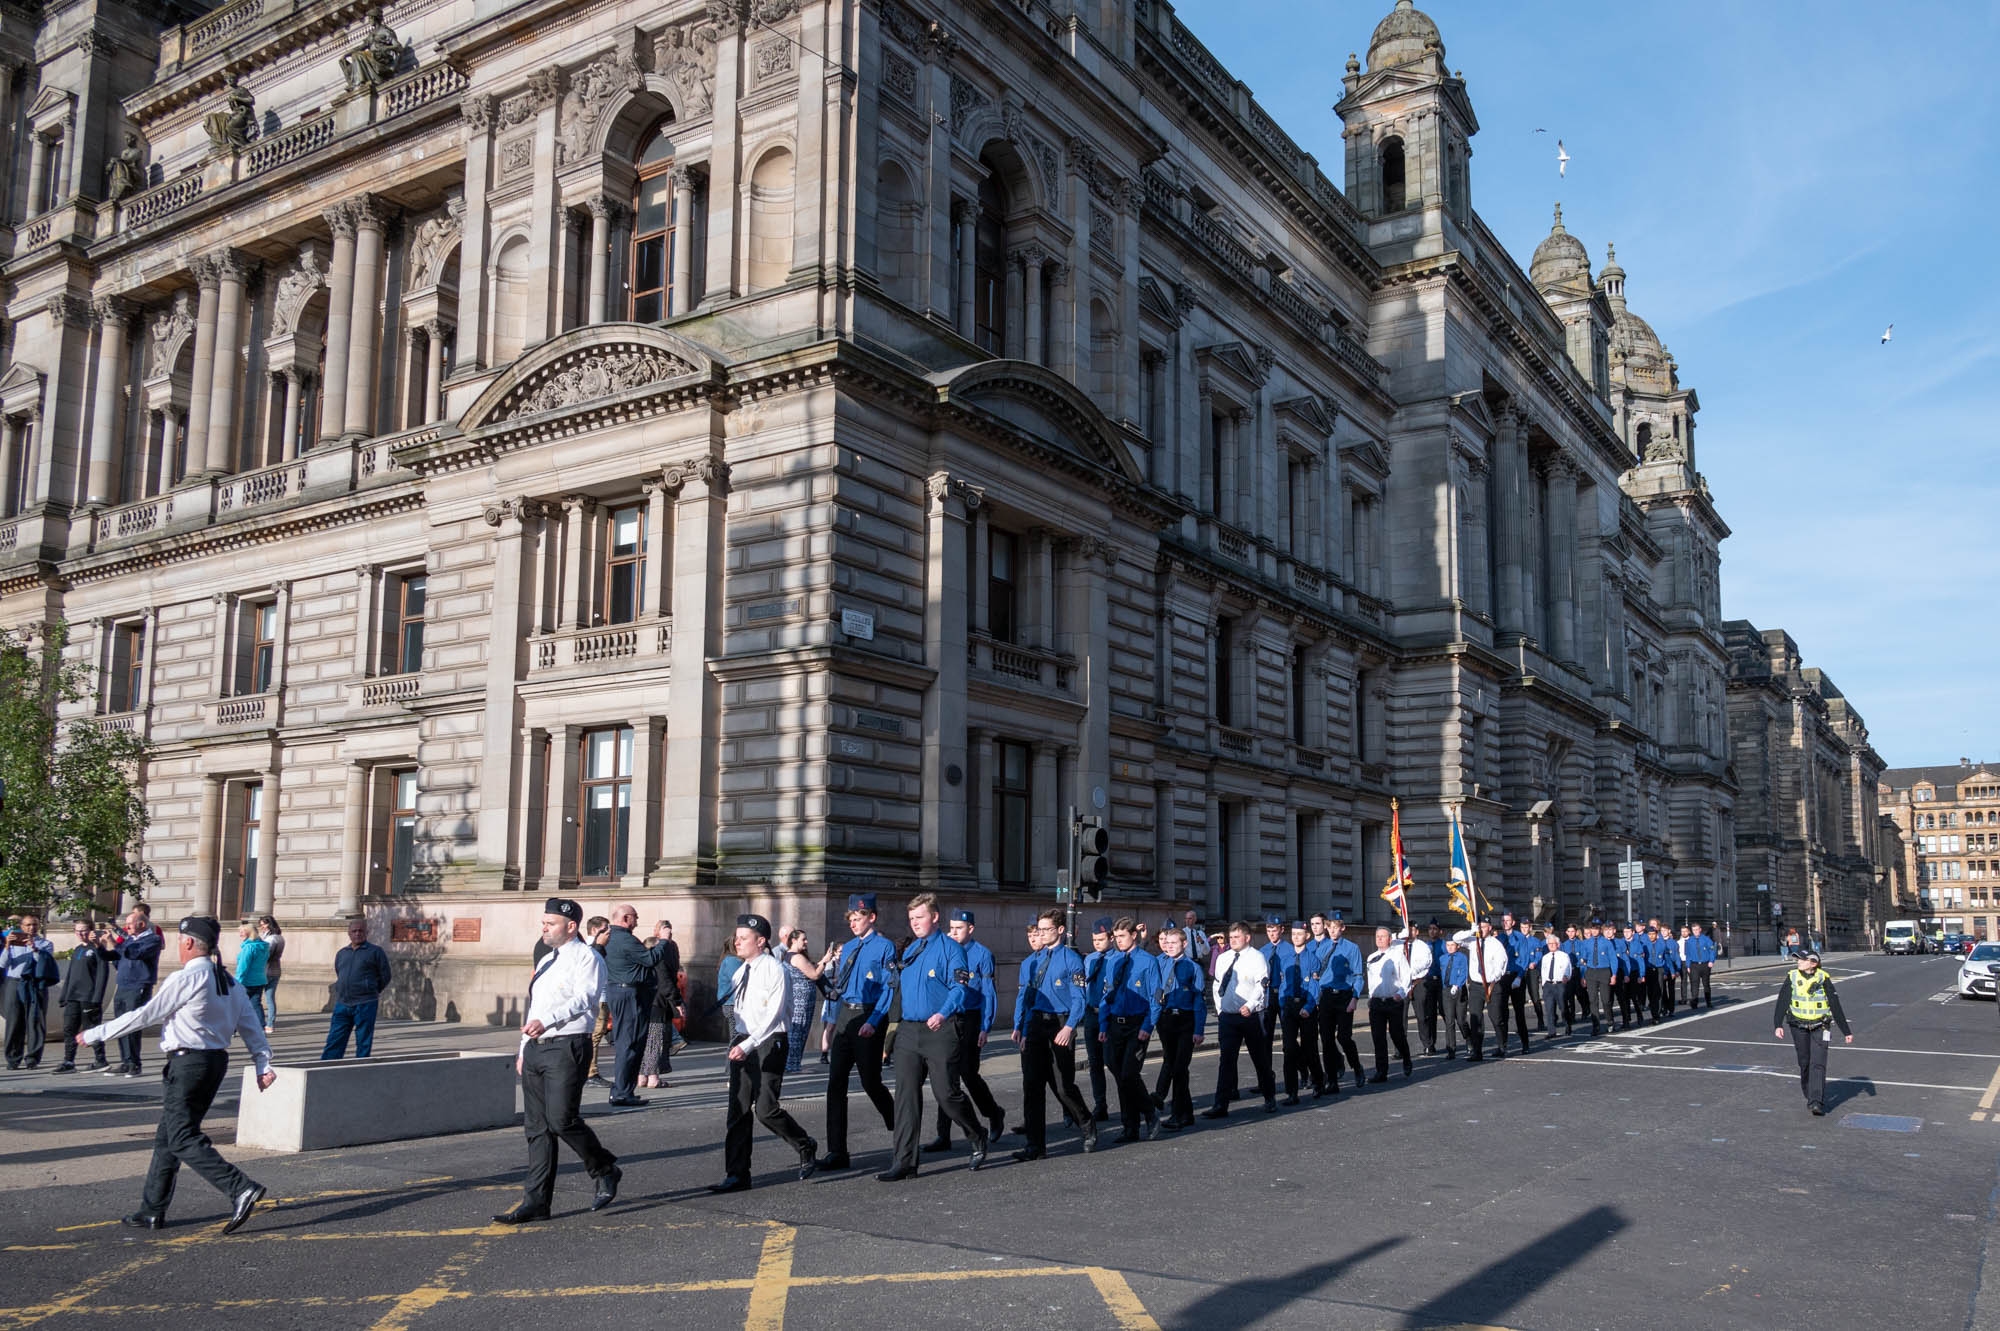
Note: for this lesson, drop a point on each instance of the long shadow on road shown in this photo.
(1486, 1295)
(1246, 1301)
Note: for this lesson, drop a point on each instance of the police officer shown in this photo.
(1048, 1012)
(862, 968)
(1342, 973)
(1129, 1005)
(1294, 1011)
(936, 985)
(1599, 959)
(1809, 1008)
(199, 1009)
(976, 1024)
(1183, 1022)
(1093, 1028)
(1701, 960)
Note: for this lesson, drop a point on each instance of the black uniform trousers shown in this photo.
(1597, 980)
(630, 1004)
(27, 1020)
(1698, 990)
(1047, 1066)
(552, 1075)
(191, 1078)
(1453, 1011)
(1236, 1031)
(934, 1055)
(1336, 1035)
(1574, 997)
(755, 1083)
(1301, 1052)
(1386, 1022)
(1176, 1032)
(850, 1051)
(1478, 1002)
(1124, 1061)
(1811, 1044)
(1496, 1017)
(1628, 994)
(79, 1017)
(974, 1085)
(129, 998)
(1430, 1004)
(1093, 1052)
(1658, 992)
(1517, 994)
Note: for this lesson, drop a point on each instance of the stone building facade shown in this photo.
(1812, 848)
(1948, 819)
(738, 452)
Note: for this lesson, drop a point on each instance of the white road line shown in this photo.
(1855, 1049)
(1740, 1072)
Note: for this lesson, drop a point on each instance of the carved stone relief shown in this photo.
(606, 371)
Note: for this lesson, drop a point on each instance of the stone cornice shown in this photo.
(322, 515)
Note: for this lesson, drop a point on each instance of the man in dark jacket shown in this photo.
(138, 951)
(29, 964)
(1809, 1009)
(360, 974)
(629, 989)
(85, 982)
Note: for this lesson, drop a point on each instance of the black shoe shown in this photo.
(1090, 1140)
(1101, 1114)
(144, 1220)
(246, 1202)
(1126, 1137)
(1028, 1153)
(1270, 1106)
(897, 1175)
(100, 1067)
(1290, 1100)
(734, 1183)
(1174, 1125)
(832, 1163)
(1450, 1054)
(63, 1067)
(978, 1156)
(34, 1063)
(1319, 1092)
(607, 1188)
(1151, 1132)
(595, 1080)
(1378, 1078)
(14, 1065)
(1430, 1049)
(1406, 1068)
(1217, 1112)
(937, 1144)
(1475, 1058)
(822, 1059)
(1818, 1112)
(1159, 1100)
(999, 1128)
(809, 1160)
(626, 1101)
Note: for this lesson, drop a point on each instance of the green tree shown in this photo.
(73, 815)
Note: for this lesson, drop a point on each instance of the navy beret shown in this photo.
(862, 901)
(206, 928)
(564, 907)
(756, 924)
(1101, 925)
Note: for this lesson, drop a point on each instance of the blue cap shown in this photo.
(862, 901)
(1298, 924)
(962, 915)
(1274, 919)
(1336, 915)
(1101, 925)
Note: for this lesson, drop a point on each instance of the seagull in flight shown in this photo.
(1887, 333)
(1541, 131)
(1562, 159)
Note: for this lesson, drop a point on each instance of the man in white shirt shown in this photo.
(1556, 970)
(199, 1009)
(1487, 992)
(1196, 938)
(554, 1062)
(757, 1049)
(1388, 989)
(1242, 988)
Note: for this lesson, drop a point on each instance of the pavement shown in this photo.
(1658, 1178)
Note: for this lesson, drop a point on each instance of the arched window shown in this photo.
(653, 229)
(1645, 439)
(989, 266)
(1392, 176)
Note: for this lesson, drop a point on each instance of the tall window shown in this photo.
(624, 564)
(1012, 789)
(1298, 698)
(989, 267)
(405, 642)
(402, 847)
(606, 802)
(1224, 679)
(1002, 589)
(653, 229)
(128, 667)
(263, 646)
(237, 894)
(1392, 176)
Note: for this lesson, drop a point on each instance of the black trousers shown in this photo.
(935, 1055)
(1301, 1053)
(1454, 1017)
(129, 999)
(1574, 997)
(1093, 1052)
(1698, 990)
(755, 1083)
(552, 1075)
(630, 1004)
(1552, 1005)
(1598, 981)
(1387, 1018)
(1480, 1001)
(1656, 980)
(1517, 994)
(976, 1089)
(1176, 1033)
(1237, 1032)
(1496, 1017)
(850, 1051)
(1124, 1063)
(1430, 1004)
(78, 1018)
(191, 1079)
(27, 1021)
(1811, 1044)
(1629, 994)
(1336, 1035)
(1047, 1066)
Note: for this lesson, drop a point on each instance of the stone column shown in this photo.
(1562, 556)
(109, 409)
(435, 333)
(1046, 845)
(1510, 475)
(982, 555)
(579, 509)
(500, 718)
(38, 166)
(1204, 422)
(1014, 321)
(527, 836)
(369, 651)
(559, 830)
(359, 412)
(656, 593)
(1031, 279)
(643, 841)
(1474, 577)
(979, 833)
(201, 377)
(267, 846)
(339, 324)
(207, 841)
(295, 384)
(965, 215)
(1089, 611)
(944, 754)
(231, 270)
(688, 817)
(681, 299)
(600, 256)
(476, 115)
(1062, 356)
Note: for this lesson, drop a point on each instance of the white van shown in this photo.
(1900, 938)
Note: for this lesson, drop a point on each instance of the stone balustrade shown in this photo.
(1020, 666)
(643, 642)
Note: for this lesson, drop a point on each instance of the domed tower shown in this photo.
(1409, 127)
(1654, 414)
(1560, 271)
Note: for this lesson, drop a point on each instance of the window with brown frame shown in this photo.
(1002, 587)
(263, 655)
(1012, 801)
(604, 804)
(236, 894)
(400, 854)
(403, 623)
(128, 668)
(624, 564)
(654, 230)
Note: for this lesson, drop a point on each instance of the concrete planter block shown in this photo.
(351, 1101)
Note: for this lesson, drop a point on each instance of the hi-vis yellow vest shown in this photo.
(1809, 1005)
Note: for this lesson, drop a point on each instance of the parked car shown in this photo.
(1976, 974)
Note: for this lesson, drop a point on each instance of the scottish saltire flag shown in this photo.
(1459, 886)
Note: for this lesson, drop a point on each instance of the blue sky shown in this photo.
(1782, 181)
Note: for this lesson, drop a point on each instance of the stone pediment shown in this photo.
(1472, 407)
(1154, 301)
(52, 101)
(1249, 365)
(1368, 454)
(1313, 417)
(21, 388)
(588, 364)
(1042, 404)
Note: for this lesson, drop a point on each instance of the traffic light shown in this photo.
(1093, 848)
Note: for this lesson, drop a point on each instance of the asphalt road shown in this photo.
(1665, 1178)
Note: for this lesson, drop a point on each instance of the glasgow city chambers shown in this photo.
(725, 455)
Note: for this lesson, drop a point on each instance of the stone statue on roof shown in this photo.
(232, 128)
(376, 60)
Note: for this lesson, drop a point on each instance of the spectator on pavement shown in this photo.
(138, 950)
(253, 957)
(29, 962)
(660, 1036)
(84, 987)
(360, 974)
(274, 937)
